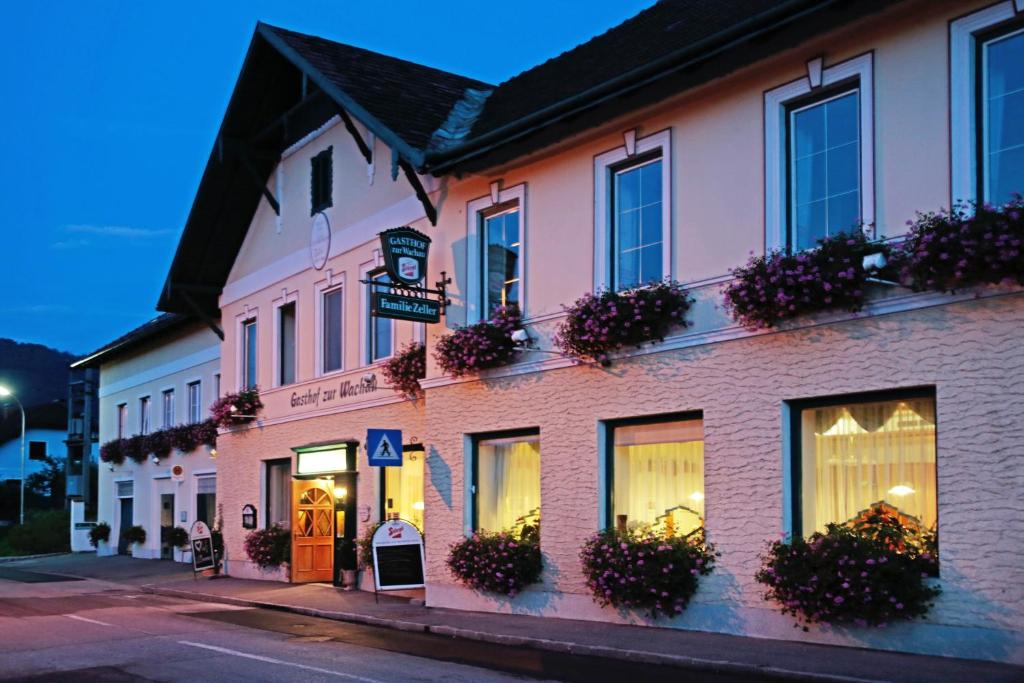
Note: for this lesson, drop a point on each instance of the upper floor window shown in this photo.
(332, 330)
(496, 252)
(824, 168)
(144, 422)
(321, 181)
(286, 322)
(633, 217)
(987, 104)
(195, 402)
(167, 408)
(819, 155)
(500, 264)
(249, 354)
(122, 420)
(379, 331)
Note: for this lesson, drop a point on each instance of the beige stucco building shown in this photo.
(765, 131)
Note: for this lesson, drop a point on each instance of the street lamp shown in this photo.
(7, 393)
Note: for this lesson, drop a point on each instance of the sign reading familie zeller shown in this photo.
(403, 307)
(384, 446)
(405, 255)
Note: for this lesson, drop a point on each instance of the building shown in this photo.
(160, 375)
(44, 438)
(82, 438)
(673, 146)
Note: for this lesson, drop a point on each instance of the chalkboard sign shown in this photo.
(201, 542)
(398, 556)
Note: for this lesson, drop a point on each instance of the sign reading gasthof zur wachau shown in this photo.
(405, 255)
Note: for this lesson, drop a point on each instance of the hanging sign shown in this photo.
(405, 255)
(384, 446)
(397, 556)
(202, 546)
(402, 307)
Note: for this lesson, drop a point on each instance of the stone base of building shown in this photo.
(919, 637)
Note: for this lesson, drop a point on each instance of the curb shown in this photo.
(560, 646)
(19, 558)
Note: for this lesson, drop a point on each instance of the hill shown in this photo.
(37, 373)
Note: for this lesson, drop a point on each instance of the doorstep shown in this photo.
(759, 658)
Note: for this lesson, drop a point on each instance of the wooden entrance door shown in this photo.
(312, 532)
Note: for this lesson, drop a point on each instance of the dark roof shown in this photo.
(132, 339)
(410, 99)
(53, 415)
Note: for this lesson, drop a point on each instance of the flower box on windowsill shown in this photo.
(233, 410)
(486, 344)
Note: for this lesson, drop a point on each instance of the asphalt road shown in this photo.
(55, 628)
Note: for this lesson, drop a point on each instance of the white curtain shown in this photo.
(508, 487)
(860, 454)
(659, 476)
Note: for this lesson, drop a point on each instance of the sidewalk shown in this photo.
(759, 658)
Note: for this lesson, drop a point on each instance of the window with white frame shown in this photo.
(249, 354)
(195, 402)
(633, 214)
(331, 307)
(819, 158)
(216, 386)
(987, 105)
(496, 251)
(144, 406)
(278, 498)
(286, 330)
(379, 331)
(122, 420)
(167, 408)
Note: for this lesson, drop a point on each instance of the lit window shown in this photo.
(500, 265)
(286, 344)
(379, 330)
(657, 473)
(507, 483)
(403, 489)
(332, 326)
(1002, 98)
(857, 455)
(144, 423)
(824, 169)
(195, 402)
(249, 379)
(637, 238)
(168, 408)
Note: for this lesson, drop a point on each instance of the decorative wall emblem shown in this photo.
(320, 240)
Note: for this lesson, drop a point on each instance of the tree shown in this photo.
(48, 484)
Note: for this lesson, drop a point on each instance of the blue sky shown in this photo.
(111, 108)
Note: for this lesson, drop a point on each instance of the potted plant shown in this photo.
(134, 534)
(869, 572)
(602, 323)
(406, 368)
(236, 409)
(269, 548)
(641, 570)
(503, 562)
(486, 344)
(99, 534)
(175, 536)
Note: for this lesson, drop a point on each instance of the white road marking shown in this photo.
(271, 660)
(87, 619)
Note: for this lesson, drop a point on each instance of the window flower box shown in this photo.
(406, 368)
(241, 408)
(780, 286)
(486, 344)
(502, 562)
(113, 452)
(642, 570)
(603, 323)
(869, 572)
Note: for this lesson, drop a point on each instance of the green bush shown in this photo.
(100, 532)
(45, 531)
(134, 534)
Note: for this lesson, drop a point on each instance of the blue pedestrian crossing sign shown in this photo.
(384, 446)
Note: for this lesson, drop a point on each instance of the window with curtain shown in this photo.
(507, 483)
(824, 169)
(195, 402)
(286, 344)
(122, 420)
(278, 503)
(379, 330)
(144, 406)
(658, 476)
(168, 408)
(403, 489)
(332, 330)
(1002, 99)
(249, 354)
(637, 238)
(501, 260)
(857, 454)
